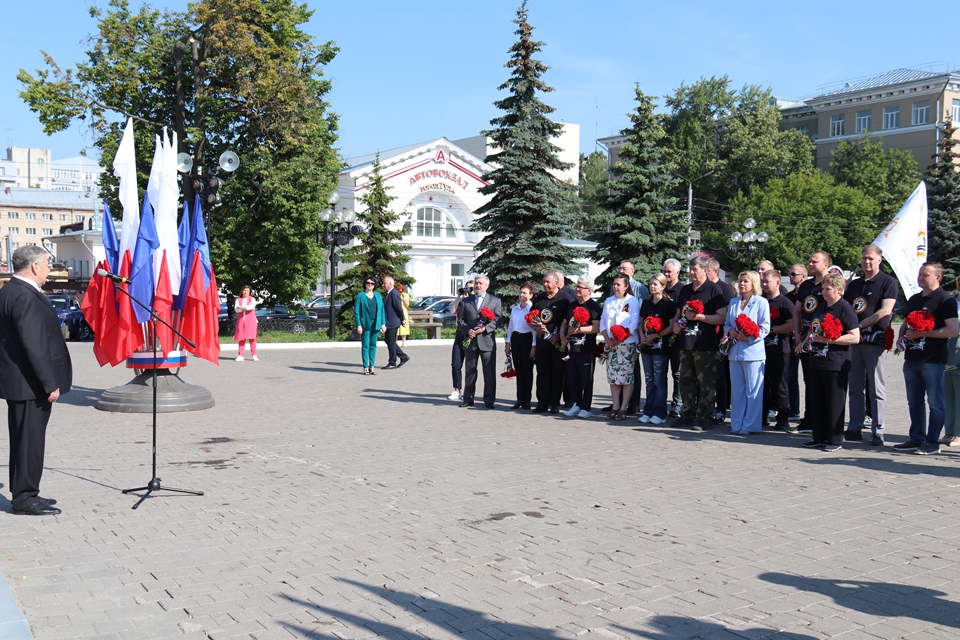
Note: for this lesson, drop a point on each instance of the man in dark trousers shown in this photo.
(483, 344)
(35, 369)
(393, 311)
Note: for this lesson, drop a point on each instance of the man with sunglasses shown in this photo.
(798, 273)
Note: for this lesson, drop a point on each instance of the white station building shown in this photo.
(436, 186)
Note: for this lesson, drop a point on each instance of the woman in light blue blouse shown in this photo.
(747, 355)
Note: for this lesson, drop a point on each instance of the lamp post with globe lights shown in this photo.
(749, 241)
(337, 228)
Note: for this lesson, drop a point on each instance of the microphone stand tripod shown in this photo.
(154, 483)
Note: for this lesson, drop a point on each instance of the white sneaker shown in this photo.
(656, 420)
(644, 419)
(239, 358)
(454, 396)
(585, 414)
(572, 411)
(255, 359)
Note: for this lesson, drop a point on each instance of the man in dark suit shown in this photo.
(393, 311)
(35, 369)
(483, 345)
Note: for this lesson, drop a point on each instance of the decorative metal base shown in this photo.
(173, 395)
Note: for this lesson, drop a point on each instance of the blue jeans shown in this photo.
(655, 375)
(924, 379)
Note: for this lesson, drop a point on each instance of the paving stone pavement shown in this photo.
(344, 506)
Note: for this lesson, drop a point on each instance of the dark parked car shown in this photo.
(423, 303)
(280, 318)
(321, 307)
(441, 312)
(72, 323)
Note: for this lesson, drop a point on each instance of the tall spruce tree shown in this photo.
(943, 200)
(530, 214)
(642, 223)
(379, 251)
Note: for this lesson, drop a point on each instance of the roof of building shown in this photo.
(359, 161)
(897, 76)
(47, 198)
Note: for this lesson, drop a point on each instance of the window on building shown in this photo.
(891, 117)
(955, 112)
(78, 218)
(457, 272)
(921, 112)
(429, 221)
(31, 231)
(13, 215)
(13, 230)
(30, 216)
(863, 121)
(48, 217)
(64, 217)
(39, 160)
(47, 232)
(836, 125)
(804, 129)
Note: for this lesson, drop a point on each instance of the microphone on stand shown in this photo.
(103, 273)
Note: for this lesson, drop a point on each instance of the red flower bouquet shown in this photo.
(918, 321)
(774, 313)
(748, 326)
(619, 332)
(533, 317)
(581, 316)
(653, 324)
(830, 327)
(693, 306)
(509, 372)
(888, 338)
(486, 315)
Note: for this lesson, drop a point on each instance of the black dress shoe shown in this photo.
(540, 408)
(35, 507)
(517, 405)
(466, 403)
(403, 361)
(47, 500)
(488, 405)
(389, 366)
(554, 410)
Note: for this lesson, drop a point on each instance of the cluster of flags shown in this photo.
(168, 266)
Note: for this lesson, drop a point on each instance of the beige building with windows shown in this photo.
(35, 216)
(906, 108)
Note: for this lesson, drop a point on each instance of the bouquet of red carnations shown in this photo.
(918, 321)
(694, 306)
(508, 370)
(486, 315)
(830, 328)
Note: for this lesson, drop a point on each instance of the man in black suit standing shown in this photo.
(35, 369)
(483, 345)
(393, 310)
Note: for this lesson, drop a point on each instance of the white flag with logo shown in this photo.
(904, 241)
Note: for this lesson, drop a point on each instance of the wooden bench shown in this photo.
(424, 320)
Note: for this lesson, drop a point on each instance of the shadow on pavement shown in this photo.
(680, 628)
(81, 397)
(448, 617)
(417, 398)
(882, 599)
(903, 463)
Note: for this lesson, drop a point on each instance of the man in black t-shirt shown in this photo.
(553, 305)
(723, 367)
(925, 359)
(872, 298)
(809, 300)
(777, 347)
(797, 274)
(698, 341)
(671, 269)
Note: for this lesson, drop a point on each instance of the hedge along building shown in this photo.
(436, 186)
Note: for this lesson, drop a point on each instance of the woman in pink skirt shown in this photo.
(246, 310)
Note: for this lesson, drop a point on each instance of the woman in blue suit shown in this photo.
(371, 322)
(747, 355)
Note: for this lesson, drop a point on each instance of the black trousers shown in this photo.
(488, 359)
(390, 337)
(634, 402)
(828, 402)
(520, 346)
(776, 375)
(723, 385)
(579, 376)
(456, 362)
(793, 367)
(550, 367)
(676, 400)
(27, 422)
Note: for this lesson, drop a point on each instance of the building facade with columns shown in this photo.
(436, 190)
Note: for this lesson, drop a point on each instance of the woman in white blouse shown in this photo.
(623, 309)
(521, 341)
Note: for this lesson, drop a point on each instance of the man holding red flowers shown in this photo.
(478, 315)
(701, 308)
(925, 358)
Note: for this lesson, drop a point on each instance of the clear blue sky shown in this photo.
(414, 71)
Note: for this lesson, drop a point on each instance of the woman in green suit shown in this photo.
(368, 314)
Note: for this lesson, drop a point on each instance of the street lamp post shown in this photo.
(337, 229)
(748, 241)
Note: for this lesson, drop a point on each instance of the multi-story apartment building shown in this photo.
(906, 107)
(35, 216)
(36, 169)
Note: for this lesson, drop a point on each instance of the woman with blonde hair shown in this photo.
(746, 327)
(404, 329)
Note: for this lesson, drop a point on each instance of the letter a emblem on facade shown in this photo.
(441, 157)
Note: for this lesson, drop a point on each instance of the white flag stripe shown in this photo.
(165, 207)
(904, 241)
(125, 168)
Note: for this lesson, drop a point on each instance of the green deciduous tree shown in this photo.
(943, 203)
(888, 176)
(804, 213)
(379, 251)
(229, 74)
(640, 219)
(530, 214)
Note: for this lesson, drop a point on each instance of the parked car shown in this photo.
(281, 318)
(423, 303)
(72, 323)
(321, 306)
(441, 312)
